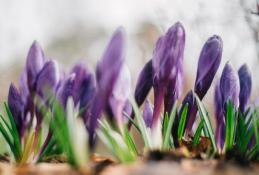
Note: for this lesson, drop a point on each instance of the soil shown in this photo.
(165, 167)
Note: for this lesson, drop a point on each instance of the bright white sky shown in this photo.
(22, 21)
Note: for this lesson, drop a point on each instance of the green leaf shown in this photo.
(230, 127)
(166, 141)
(205, 117)
(132, 121)
(142, 125)
(17, 143)
(182, 122)
(129, 141)
(198, 132)
(165, 123)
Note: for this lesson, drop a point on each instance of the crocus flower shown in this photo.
(169, 49)
(209, 61)
(47, 80)
(226, 90)
(16, 105)
(245, 87)
(144, 83)
(219, 114)
(229, 86)
(34, 64)
(80, 85)
(107, 73)
(120, 95)
(148, 114)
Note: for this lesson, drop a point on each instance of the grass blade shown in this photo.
(207, 124)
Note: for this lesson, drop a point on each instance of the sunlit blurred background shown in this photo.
(78, 30)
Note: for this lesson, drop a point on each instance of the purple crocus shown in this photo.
(34, 64)
(16, 105)
(47, 81)
(148, 114)
(227, 89)
(107, 74)
(245, 80)
(229, 86)
(80, 85)
(169, 49)
(219, 114)
(209, 61)
(120, 95)
(144, 83)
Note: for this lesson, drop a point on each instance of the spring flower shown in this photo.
(245, 80)
(208, 64)
(209, 61)
(148, 114)
(107, 73)
(227, 89)
(144, 83)
(16, 105)
(120, 94)
(169, 49)
(229, 86)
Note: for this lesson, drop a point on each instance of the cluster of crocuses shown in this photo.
(43, 83)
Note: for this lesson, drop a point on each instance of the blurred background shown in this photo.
(74, 31)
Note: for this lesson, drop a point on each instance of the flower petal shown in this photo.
(144, 83)
(208, 65)
(34, 64)
(245, 80)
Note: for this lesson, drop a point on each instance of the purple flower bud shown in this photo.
(144, 83)
(148, 114)
(120, 94)
(229, 86)
(209, 61)
(192, 111)
(174, 91)
(66, 89)
(219, 114)
(34, 64)
(169, 50)
(16, 106)
(107, 73)
(245, 86)
(47, 81)
(80, 75)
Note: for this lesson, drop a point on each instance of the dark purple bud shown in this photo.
(107, 73)
(229, 86)
(169, 50)
(34, 64)
(16, 106)
(192, 111)
(87, 91)
(148, 114)
(209, 61)
(81, 74)
(144, 83)
(65, 90)
(245, 86)
(47, 81)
